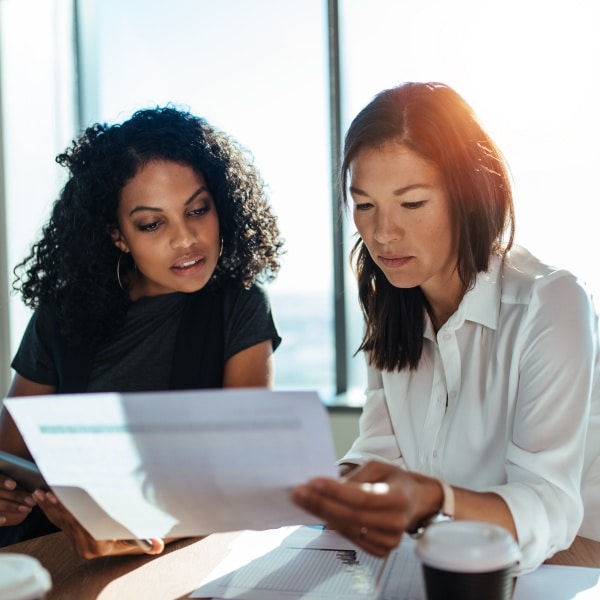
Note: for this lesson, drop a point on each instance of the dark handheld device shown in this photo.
(23, 471)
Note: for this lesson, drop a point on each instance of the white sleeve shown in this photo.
(544, 455)
(376, 439)
(590, 486)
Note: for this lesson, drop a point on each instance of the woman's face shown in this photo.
(403, 215)
(168, 222)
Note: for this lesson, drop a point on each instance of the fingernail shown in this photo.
(29, 501)
(52, 498)
(23, 508)
(10, 484)
(39, 495)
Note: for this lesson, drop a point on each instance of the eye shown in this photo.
(414, 205)
(149, 226)
(362, 206)
(198, 212)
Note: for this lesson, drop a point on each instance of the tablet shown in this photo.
(23, 471)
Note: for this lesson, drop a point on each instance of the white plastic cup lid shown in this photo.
(468, 547)
(22, 577)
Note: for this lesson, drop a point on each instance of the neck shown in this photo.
(442, 309)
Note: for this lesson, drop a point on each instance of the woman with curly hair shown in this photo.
(145, 278)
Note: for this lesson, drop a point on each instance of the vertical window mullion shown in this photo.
(335, 133)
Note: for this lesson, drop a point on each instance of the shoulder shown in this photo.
(231, 297)
(234, 294)
(523, 276)
(45, 321)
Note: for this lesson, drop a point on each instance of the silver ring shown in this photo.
(362, 532)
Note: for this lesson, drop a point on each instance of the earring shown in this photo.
(119, 272)
(221, 251)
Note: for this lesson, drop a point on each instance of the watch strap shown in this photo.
(445, 513)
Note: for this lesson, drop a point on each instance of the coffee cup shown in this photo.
(22, 577)
(468, 560)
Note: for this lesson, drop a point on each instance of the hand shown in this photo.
(373, 507)
(15, 502)
(81, 541)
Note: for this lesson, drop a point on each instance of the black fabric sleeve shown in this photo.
(34, 359)
(248, 320)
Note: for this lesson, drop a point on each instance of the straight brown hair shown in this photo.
(434, 121)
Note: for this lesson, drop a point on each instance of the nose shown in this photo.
(386, 229)
(183, 235)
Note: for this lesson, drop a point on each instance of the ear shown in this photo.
(118, 240)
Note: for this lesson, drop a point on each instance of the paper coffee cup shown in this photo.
(23, 577)
(468, 560)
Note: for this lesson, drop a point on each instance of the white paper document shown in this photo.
(294, 563)
(303, 563)
(174, 464)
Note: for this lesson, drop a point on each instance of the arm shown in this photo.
(10, 438)
(81, 541)
(252, 367)
(377, 438)
(379, 502)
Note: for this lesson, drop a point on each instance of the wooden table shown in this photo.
(177, 572)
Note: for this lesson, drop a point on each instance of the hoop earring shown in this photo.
(119, 272)
(221, 250)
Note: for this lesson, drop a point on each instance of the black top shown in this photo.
(174, 341)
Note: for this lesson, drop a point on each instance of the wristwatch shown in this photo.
(444, 514)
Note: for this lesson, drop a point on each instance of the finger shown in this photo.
(374, 541)
(9, 484)
(374, 471)
(9, 506)
(346, 505)
(158, 546)
(10, 491)
(16, 518)
(149, 545)
(366, 495)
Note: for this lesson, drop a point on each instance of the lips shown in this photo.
(395, 261)
(187, 262)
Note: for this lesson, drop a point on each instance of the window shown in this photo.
(531, 70)
(37, 122)
(259, 70)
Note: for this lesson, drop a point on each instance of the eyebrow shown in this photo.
(199, 191)
(399, 192)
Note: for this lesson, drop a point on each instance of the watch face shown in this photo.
(440, 518)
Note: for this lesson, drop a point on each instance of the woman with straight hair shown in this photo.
(482, 360)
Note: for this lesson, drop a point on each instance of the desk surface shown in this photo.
(177, 572)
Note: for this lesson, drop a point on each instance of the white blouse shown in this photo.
(500, 402)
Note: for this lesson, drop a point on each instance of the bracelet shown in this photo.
(444, 514)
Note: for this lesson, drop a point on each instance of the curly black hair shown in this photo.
(73, 266)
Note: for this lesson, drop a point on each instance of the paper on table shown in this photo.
(300, 563)
(294, 563)
(557, 582)
(178, 463)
